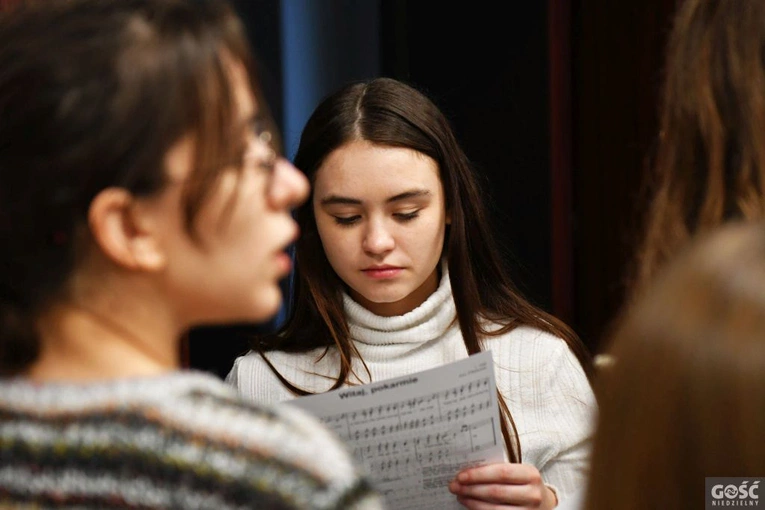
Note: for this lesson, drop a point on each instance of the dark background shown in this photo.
(554, 101)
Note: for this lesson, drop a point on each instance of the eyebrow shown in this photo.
(337, 199)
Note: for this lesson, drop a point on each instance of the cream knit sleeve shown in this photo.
(552, 403)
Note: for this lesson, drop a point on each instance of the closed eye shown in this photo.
(406, 216)
(346, 220)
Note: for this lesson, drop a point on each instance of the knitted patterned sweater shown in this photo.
(548, 394)
(182, 440)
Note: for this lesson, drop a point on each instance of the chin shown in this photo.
(267, 305)
(384, 298)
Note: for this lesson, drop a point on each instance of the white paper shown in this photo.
(413, 434)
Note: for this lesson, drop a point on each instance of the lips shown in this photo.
(382, 272)
(283, 263)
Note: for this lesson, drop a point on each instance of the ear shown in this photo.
(448, 217)
(122, 233)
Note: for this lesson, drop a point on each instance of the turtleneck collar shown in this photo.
(426, 322)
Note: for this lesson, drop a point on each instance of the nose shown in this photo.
(378, 240)
(288, 187)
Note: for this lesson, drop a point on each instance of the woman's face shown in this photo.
(232, 272)
(381, 216)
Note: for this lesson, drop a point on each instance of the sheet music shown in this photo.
(415, 433)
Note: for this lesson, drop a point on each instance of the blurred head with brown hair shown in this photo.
(685, 398)
(140, 189)
(710, 161)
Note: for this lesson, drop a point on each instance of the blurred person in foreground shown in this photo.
(685, 398)
(141, 193)
(657, 438)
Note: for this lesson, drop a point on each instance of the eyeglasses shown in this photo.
(261, 151)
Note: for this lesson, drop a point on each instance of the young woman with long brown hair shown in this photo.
(397, 272)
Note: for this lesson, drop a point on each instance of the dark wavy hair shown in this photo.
(391, 113)
(93, 93)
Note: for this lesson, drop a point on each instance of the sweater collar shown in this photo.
(427, 322)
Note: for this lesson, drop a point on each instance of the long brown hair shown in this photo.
(93, 93)
(685, 398)
(390, 113)
(709, 164)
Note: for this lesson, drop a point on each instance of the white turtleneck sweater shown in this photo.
(545, 388)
